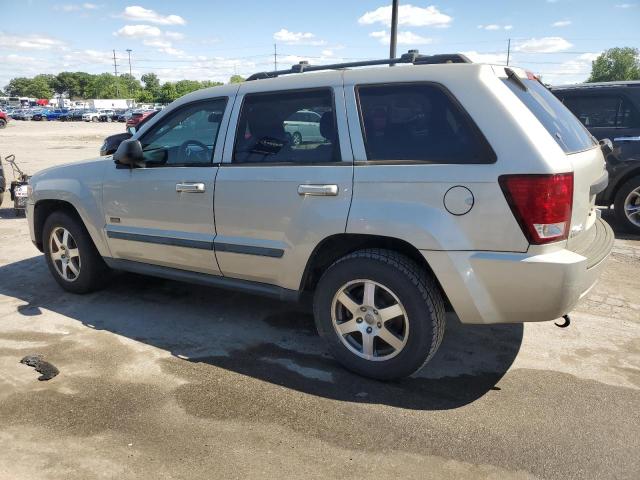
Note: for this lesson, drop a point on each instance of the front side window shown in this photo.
(287, 127)
(418, 122)
(595, 111)
(186, 137)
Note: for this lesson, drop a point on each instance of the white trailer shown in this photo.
(110, 103)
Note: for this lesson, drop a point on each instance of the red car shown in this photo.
(3, 119)
(138, 117)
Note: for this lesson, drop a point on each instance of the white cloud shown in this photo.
(138, 13)
(626, 5)
(408, 15)
(76, 7)
(544, 45)
(157, 42)
(404, 38)
(495, 26)
(29, 42)
(327, 53)
(570, 71)
(138, 31)
(561, 23)
(297, 38)
(493, 58)
(174, 35)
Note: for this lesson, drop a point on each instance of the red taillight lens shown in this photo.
(541, 204)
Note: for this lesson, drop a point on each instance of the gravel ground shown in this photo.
(165, 380)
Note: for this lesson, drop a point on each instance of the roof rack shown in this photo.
(412, 56)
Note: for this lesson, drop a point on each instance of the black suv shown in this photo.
(612, 110)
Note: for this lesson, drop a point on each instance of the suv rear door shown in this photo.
(276, 201)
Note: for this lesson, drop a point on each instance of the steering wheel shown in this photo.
(184, 157)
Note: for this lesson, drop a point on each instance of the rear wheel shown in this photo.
(71, 255)
(627, 205)
(381, 315)
(3, 123)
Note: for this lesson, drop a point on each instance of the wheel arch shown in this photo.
(336, 246)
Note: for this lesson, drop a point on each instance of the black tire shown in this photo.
(93, 272)
(415, 289)
(94, 119)
(618, 205)
(3, 123)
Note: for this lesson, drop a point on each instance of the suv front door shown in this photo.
(276, 200)
(162, 213)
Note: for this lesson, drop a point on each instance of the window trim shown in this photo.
(487, 150)
(336, 163)
(172, 114)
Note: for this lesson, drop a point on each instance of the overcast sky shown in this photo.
(214, 39)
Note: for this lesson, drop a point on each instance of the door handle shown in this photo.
(189, 187)
(318, 190)
(627, 139)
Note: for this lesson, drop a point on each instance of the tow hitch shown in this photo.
(567, 322)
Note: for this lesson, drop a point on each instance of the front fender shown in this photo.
(79, 185)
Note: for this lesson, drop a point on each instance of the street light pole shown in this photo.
(129, 52)
(394, 29)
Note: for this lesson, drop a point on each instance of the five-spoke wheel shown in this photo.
(64, 254)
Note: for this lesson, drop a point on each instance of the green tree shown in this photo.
(210, 83)
(168, 93)
(616, 64)
(102, 86)
(67, 83)
(130, 86)
(187, 86)
(17, 87)
(40, 87)
(236, 79)
(144, 96)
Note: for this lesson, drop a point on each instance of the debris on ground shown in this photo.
(47, 370)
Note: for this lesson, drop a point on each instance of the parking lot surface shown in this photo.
(160, 379)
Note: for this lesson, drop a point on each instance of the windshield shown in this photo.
(563, 126)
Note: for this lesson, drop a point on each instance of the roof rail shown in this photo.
(412, 56)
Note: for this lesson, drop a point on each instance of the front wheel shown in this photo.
(71, 256)
(627, 205)
(3, 123)
(381, 315)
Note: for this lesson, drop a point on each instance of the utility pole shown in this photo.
(275, 57)
(129, 52)
(115, 73)
(508, 51)
(394, 29)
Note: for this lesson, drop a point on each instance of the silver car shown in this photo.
(441, 185)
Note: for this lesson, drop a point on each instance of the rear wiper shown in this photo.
(513, 76)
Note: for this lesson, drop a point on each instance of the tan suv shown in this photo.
(440, 184)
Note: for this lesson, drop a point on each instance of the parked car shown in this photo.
(304, 126)
(137, 117)
(611, 110)
(76, 115)
(55, 114)
(40, 115)
(435, 184)
(112, 142)
(4, 119)
(67, 116)
(107, 116)
(91, 116)
(3, 182)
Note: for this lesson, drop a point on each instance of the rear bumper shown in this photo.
(496, 287)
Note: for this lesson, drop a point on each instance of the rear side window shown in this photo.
(563, 126)
(288, 127)
(420, 123)
(603, 111)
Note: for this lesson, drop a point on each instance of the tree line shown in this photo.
(82, 85)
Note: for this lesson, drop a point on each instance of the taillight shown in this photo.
(541, 204)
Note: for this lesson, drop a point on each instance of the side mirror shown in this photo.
(129, 153)
(131, 130)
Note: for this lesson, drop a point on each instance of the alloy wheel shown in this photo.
(632, 206)
(370, 320)
(64, 254)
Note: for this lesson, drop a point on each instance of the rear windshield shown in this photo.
(563, 126)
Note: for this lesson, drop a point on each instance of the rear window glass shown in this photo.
(419, 123)
(563, 126)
